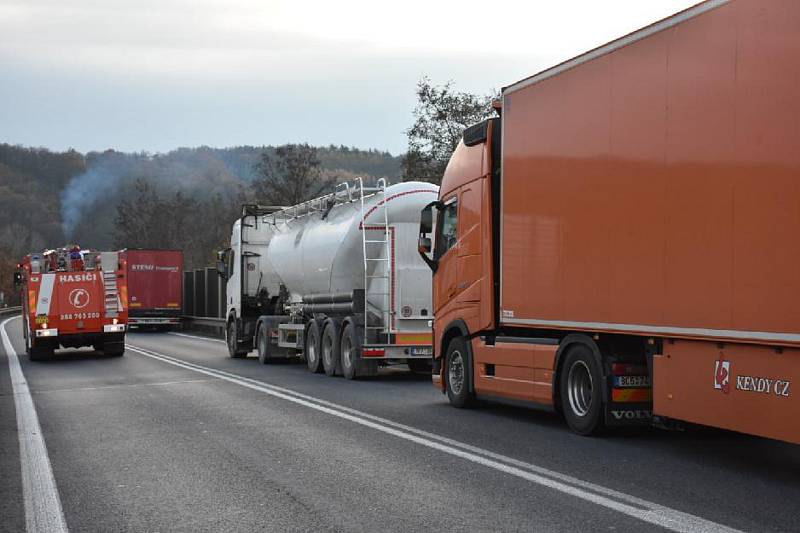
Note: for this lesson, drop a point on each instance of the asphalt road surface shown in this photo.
(175, 436)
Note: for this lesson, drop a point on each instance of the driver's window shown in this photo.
(447, 223)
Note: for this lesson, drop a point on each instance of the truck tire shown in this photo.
(232, 338)
(114, 349)
(580, 390)
(350, 354)
(420, 366)
(330, 348)
(312, 347)
(40, 353)
(458, 374)
(263, 345)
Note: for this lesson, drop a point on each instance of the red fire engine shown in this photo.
(73, 298)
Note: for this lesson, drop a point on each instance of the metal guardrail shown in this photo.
(213, 325)
(10, 310)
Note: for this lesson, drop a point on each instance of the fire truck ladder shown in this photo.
(110, 291)
(376, 245)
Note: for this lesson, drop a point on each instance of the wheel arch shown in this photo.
(567, 343)
(458, 328)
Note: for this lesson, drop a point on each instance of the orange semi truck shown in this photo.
(73, 298)
(622, 243)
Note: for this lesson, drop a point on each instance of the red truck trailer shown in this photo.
(155, 287)
(72, 298)
(621, 243)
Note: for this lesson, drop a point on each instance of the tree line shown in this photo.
(188, 198)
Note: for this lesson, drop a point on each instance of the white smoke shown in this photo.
(103, 180)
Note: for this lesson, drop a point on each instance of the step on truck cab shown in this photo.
(620, 243)
(336, 280)
(73, 298)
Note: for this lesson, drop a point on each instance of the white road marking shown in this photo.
(196, 337)
(627, 504)
(43, 510)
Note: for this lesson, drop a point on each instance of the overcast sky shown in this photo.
(154, 75)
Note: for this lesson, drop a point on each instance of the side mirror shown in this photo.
(424, 245)
(17, 280)
(426, 220)
(222, 263)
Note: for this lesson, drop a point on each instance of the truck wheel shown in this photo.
(40, 353)
(233, 342)
(114, 349)
(331, 348)
(580, 389)
(458, 374)
(420, 366)
(312, 347)
(353, 366)
(263, 345)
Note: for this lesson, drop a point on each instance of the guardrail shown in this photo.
(10, 310)
(213, 325)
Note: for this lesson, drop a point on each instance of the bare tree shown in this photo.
(291, 176)
(440, 117)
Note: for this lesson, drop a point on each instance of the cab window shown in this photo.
(447, 229)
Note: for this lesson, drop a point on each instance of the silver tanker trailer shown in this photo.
(336, 279)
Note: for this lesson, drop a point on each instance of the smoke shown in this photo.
(202, 172)
(106, 175)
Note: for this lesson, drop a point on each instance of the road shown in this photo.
(175, 436)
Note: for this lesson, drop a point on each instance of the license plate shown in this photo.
(423, 351)
(631, 381)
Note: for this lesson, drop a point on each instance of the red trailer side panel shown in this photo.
(155, 282)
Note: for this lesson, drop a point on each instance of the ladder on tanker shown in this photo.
(376, 245)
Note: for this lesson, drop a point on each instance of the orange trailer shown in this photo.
(621, 243)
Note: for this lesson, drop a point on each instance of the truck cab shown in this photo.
(464, 291)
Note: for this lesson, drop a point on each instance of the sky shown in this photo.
(154, 75)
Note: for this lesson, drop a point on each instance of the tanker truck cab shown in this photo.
(336, 280)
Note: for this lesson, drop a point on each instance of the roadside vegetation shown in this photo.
(187, 198)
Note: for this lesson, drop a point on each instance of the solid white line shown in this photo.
(624, 503)
(43, 510)
(196, 337)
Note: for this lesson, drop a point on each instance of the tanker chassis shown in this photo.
(336, 279)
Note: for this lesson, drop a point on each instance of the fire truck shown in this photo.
(73, 298)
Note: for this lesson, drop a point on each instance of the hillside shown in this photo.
(49, 198)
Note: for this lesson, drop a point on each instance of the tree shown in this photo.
(289, 177)
(440, 117)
